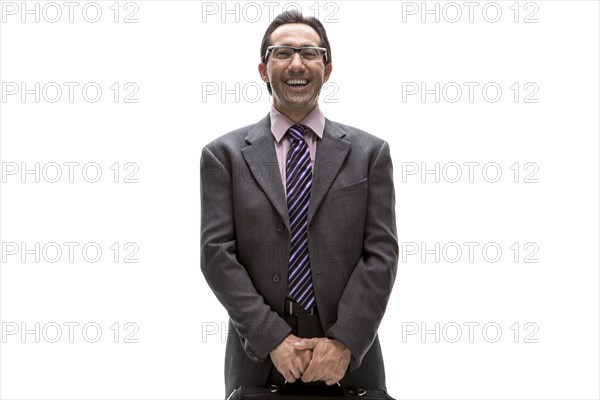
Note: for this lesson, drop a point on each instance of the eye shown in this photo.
(283, 53)
(310, 54)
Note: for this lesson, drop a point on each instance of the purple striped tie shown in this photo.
(298, 183)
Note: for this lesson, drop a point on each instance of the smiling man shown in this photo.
(298, 232)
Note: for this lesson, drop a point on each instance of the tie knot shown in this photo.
(296, 132)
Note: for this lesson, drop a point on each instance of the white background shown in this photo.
(178, 54)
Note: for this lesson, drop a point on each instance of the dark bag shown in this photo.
(300, 392)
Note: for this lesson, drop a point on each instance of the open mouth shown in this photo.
(297, 83)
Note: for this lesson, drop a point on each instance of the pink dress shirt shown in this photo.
(315, 120)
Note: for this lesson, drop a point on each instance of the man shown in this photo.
(298, 235)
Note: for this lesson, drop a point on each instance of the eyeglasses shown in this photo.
(286, 53)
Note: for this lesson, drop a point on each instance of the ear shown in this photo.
(262, 70)
(327, 72)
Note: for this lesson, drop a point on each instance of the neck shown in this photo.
(296, 115)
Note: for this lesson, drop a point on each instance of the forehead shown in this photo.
(295, 35)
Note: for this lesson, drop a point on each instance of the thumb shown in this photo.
(304, 344)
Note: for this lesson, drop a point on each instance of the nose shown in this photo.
(296, 62)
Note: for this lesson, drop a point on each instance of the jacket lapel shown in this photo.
(261, 159)
(262, 162)
(331, 152)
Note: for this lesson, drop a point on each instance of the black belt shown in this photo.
(292, 308)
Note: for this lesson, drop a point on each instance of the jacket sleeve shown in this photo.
(260, 328)
(367, 292)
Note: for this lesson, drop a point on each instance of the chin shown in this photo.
(303, 100)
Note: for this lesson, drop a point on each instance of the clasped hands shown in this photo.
(315, 359)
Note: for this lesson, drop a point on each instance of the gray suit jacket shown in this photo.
(353, 249)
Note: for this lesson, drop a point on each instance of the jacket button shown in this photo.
(276, 278)
(279, 227)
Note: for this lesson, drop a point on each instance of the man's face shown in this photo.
(295, 99)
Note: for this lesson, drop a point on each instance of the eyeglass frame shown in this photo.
(323, 51)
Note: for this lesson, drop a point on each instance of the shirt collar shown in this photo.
(280, 124)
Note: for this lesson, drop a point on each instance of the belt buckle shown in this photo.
(312, 311)
(290, 309)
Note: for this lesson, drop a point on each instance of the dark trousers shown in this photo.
(304, 326)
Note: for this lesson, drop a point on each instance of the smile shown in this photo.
(297, 82)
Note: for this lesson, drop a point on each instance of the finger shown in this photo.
(301, 346)
(289, 377)
(331, 381)
(304, 344)
(319, 371)
(300, 367)
(305, 358)
(292, 339)
(308, 374)
(296, 372)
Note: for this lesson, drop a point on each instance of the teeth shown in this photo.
(297, 82)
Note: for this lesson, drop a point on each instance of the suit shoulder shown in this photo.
(227, 148)
(359, 136)
(234, 139)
